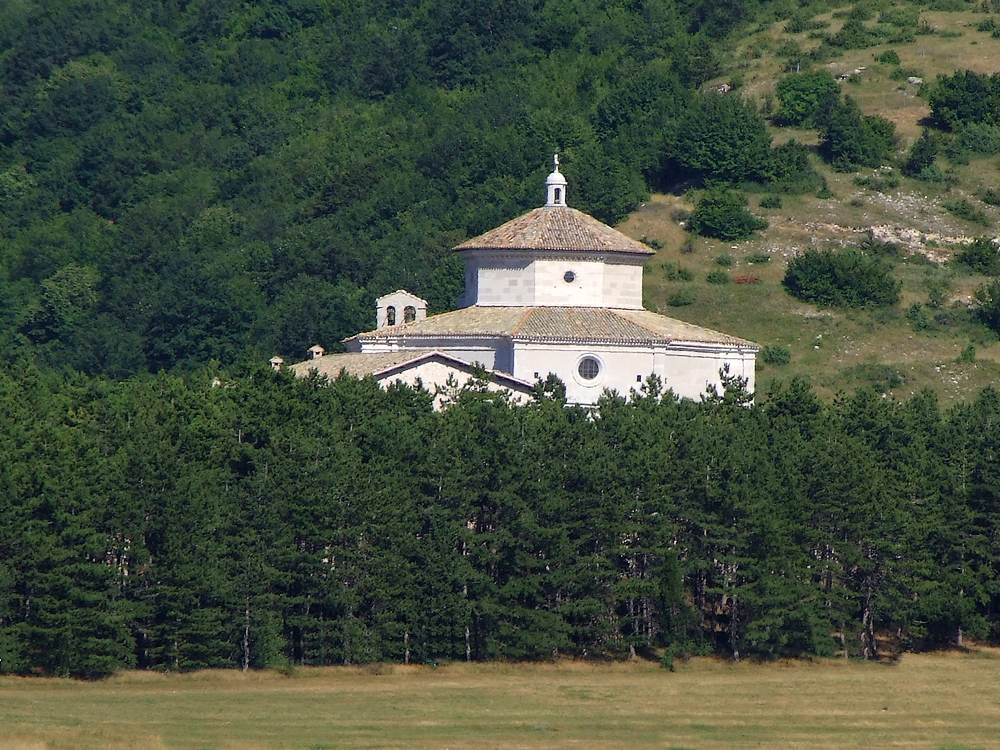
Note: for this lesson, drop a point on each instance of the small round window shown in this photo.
(589, 368)
(569, 277)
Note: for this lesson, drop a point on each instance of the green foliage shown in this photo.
(967, 355)
(918, 317)
(979, 138)
(803, 96)
(921, 156)
(987, 304)
(990, 196)
(775, 354)
(847, 278)
(882, 180)
(757, 258)
(168, 525)
(850, 139)
(721, 212)
(982, 255)
(245, 178)
(963, 209)
(721, 137)
(938, 288)
(790, 170)
(888, 57)
(771, 200)
(965, 98)
(717, 277)
(725, 260)
(677, 272)
(681, 297)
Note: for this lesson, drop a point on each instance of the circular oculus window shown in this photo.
(569, 277)
(589, 368)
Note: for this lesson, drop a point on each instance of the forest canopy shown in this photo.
(185, 182)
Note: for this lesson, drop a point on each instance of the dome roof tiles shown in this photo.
(558, 229)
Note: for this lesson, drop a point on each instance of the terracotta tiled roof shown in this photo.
(356, 363)
(602, 324)
(557, 228)
(360, 364)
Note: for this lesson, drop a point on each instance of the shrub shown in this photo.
(961, 208)
(849, 278)
(803, 95)
(681, 297)
(722, 137)
(775, 354)
(677, 272)
(901, 74)
(987, 304)
(722, 213)
(724, 260)
(937, 290)
(882, 378)
(990, 196)
(771, 200)
(851, 139)
(922, 154)
(968, 355)
(881, 180)
(918, 317)
(717, 277)
(756, 258)
(965, 97)
(982, 255)
(979, 138)
(889, 57)
(790, 171)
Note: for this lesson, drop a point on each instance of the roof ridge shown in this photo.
(525, 316)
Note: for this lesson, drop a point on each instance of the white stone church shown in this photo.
(552, 291)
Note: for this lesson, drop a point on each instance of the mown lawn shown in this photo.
(943, 700)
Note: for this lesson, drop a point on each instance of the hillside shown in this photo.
(843, 349)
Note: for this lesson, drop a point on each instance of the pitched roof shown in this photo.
(360, 364)
(557, 228)
(613, 325)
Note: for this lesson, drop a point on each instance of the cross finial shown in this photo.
(555, 161)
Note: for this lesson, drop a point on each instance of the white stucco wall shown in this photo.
(503, 283)
(685, 370)
(623, 286)
(494, 280)
(433, 375)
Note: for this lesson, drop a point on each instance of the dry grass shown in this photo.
(938, 701)
(836, 349)
(831, 347)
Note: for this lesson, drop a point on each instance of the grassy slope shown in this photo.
(852, 341)
(940, 700)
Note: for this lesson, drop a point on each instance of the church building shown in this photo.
(552, 291)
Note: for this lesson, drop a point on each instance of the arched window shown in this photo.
(558, 195)
(409, 314)
(390, 316)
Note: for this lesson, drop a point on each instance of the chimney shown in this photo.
(315, 351)
(276, 363)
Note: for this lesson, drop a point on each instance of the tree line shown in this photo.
(256, 520)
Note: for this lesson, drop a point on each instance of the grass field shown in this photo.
(944, 701)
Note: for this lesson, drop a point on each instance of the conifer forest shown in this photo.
(188, 187)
